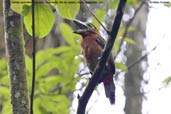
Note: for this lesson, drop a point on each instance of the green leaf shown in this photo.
(118, 39)
(131, 29)
(37, 107)
(46, 84)
(58, 50)
(121, 66)
(117, 44)
(4, 80)
(167, 80)
(48, 54)
(4, 92)
(44, 20)
(56, 104)
(68, 34)
(44, 69)
(132, 2)
(3, 67)
(6, 108)
(28, 62)
(17, 5)
(129, 40)
(114, 4)
(66, 8)
(100, 15)
(168, 4)
(26, 10)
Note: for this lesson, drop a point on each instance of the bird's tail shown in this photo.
(109, 87)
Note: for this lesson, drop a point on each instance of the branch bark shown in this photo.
(83, 100)
(16, 61)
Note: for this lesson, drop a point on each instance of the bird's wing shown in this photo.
(101, 41)
(110, 62)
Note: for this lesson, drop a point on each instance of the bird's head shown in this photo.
(85, 29)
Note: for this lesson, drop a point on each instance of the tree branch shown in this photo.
(14, 42)
(83, 100)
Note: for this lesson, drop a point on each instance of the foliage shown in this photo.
(168, 4)
(55, 79)
(18, 5)
(4, 88)
(167, 80)
(132, 2)
(53, 89)
(66, 8)
(121, 66)
(44, 19)
(100, 13)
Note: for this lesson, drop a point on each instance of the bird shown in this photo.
(92, 45)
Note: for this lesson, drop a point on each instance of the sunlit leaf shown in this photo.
(7, 107)
(66, 8)
(3, 67)
(167, 80)
(5, 80)
(28, 62)
(57, 104)
(37, 105)
(119, 38)
(129, 40)
(100, 15)
(132, 2)
(131, 28)
(121, 66)
(25, 10)
(114, 4)
(47, 84)
(44, 69)
(17, 5)
(68, 34)
(44, 20)
(117, 44)
(168, 4)
(4, 92)
(49, 55)
(58, 50)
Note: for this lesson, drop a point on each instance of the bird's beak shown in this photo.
(82, 26)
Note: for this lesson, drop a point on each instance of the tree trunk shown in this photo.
(16, 61)
(134, 77)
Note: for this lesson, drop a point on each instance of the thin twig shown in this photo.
(97, 75)
(33, 60)
(107, 31)
(127, 26)
(139, 59)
